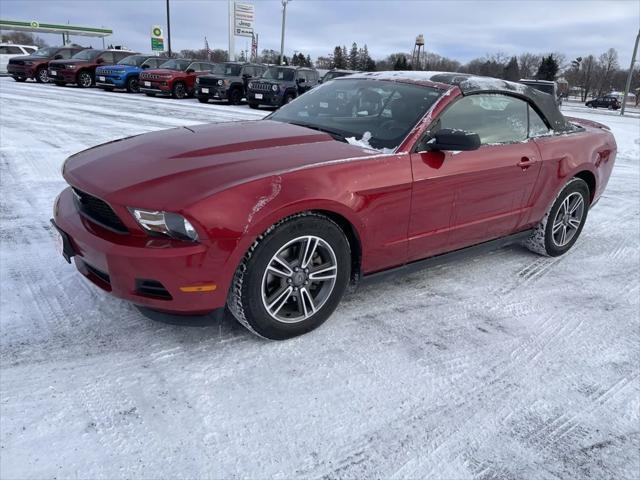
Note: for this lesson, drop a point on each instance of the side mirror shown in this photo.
(100, 60)
(246, 75)
(451, 139)
(301, 80)
(58, 57)
(190, 70)
(144, 67)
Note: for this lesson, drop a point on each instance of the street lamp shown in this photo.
(284, 17)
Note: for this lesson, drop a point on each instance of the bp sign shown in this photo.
(156, 31)
(157, 44)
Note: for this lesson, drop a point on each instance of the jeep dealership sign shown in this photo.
(243, 17)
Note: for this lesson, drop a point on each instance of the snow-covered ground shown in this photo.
(505, 366)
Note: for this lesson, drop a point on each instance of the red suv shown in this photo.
(175, 77)
(81, 68)
(36, 65)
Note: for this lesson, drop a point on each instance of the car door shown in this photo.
(465, 198)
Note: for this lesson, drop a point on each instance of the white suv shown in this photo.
(10, 50)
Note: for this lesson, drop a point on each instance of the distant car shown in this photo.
(10, 50)
(81, 68)
(175, 78)
(279, 85)
(36, 65)
(125, 74)
(546, 86)
(228, 81)
(275, 218)
(336, 73)
(612, 103)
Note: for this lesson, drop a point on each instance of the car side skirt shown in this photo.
(463, 253)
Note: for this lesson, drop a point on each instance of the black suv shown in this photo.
(228, 81)
(611, 103)
(279, 85)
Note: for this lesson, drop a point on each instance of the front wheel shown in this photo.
(42, 75)
(292, 278)
(254, 106)
(561, 226)
(179, 91)
(85, 80)
(133, 86)
(235, 96)
(20, 79)
(288, 98)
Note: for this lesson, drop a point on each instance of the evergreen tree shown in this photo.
(511, 71)
(548, 68)
(401, 63)
(308, 61)
(353, 57)
(345, 56)
(338, 59)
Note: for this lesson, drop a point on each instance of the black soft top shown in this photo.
(543, 102)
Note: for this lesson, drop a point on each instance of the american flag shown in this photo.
(207, 49)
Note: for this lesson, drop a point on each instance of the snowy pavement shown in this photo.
(508, 365)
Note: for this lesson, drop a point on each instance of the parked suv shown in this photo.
(612, 103)
(280, 85)
(336, 73)
(81, 68)
(10, 50)
(175, 78)
(36, 65)
(125, 74)
(227, 82)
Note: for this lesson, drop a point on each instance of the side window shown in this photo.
(121, 55)
(9, 50)
(495, 118)
(537, 126)
(249, 71)
(108, 58)
(29, 50)
(65, 53)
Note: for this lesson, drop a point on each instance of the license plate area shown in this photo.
(147, 84)
(259, 96)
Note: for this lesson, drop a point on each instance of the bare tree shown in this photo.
(529, 64)
(607, 65)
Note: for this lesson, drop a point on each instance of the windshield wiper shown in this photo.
(336, 135)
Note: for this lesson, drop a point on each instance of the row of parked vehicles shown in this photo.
(116, 69)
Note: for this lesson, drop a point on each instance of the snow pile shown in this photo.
(364, 142)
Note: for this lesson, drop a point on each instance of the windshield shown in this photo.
(176, 64)
(279, 73)
(232, 69)
(86, 54)
(332, 75)
(373, 113)
(45, 52)
(134, 60)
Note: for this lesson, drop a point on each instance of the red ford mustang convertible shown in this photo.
(362, 175)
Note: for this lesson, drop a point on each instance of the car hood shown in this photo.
(172, 169)
(29, 58)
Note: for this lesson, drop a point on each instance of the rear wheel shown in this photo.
(561, 226)
(20, 79)
(85, 80)
(42, 75)
(132, 85)
(179, 90)
(292, 278)
(288, 98)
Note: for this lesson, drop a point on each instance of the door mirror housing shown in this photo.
(301, 80)
(144, 67)
(100, 60)
(190, 70)
(452, 139)
(58, 57)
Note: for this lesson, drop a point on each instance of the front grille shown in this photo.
(152, 288)
(106, 72)
(208, 81)
(262, 87)
(152, 76)
(98, 211)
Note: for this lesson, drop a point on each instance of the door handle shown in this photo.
(525, 162)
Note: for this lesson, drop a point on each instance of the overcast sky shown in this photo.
(458, 29)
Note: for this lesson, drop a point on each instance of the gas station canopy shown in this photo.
(37, 27)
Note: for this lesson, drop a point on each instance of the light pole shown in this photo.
(628, 85)
(284, 17)
(168, 29)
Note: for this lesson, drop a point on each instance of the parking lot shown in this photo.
(508, 365)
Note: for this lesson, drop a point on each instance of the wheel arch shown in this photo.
(590, 179)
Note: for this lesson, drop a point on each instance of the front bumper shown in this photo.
(131, 267)
(21, 71)
(66, 75)
(270, 98)
(110, 81)
(211, 92)
(155, 87)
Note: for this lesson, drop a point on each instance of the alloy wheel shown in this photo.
(568, 219)
(85, 80)
(179, 91)
(43, 75)
(134, 86)
(299, 279)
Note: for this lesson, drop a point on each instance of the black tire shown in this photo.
(150, 94)
(254, 106)
(60, 84)
(203, 99)
(246, 300)
(108, 89)
(179, 90)
(20, 79)
(288, 97)
(544, 239)
(42, 75)
(84, 79)
(235, 96)
(132, 85)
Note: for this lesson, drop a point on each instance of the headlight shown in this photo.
(220, 82)
(165, 223)
(197, 80)
(250, 85)
(72, 66)
(274, 88)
